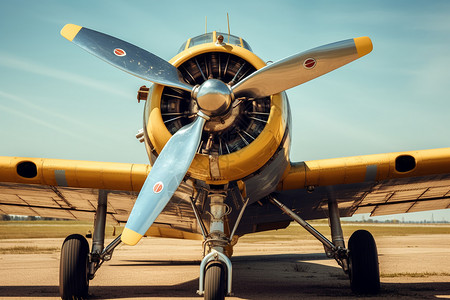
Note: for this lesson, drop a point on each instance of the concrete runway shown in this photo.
(416, 266)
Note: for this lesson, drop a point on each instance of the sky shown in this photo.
(58, 101)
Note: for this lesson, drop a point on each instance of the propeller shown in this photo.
(302, 67)
(126, 56)
(164, 178)
(213, 97)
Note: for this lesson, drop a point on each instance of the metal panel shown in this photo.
(55, 213)
(391, 209)
(376, 198)
(17, 210)
(435, 192)
(364, 210)
(429, 205)
(407, 195)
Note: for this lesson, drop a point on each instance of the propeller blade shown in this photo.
(302, 67)
(125, 56)
(163, 180)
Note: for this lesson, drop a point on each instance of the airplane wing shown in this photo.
(69, 189)
(379, 184)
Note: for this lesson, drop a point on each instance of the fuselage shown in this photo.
(248, 144)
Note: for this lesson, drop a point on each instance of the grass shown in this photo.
(48, 229)
(418, 275)
(296, 232)
(28, 250)
(61, 229)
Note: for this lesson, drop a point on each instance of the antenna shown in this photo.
(228, 21)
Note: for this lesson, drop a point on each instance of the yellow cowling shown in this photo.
(236, 165)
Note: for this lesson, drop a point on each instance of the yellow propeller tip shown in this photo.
(363, 45)
(70, 31)
(130, 237)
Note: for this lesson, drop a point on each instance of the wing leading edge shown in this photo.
(69, 189)
(379, 184)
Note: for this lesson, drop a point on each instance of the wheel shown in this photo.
(363, 262)
(73, 268)
(215, 281)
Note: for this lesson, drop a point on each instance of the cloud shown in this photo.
(46, 111)
(39, 121)
(76, 138)
(18, 63)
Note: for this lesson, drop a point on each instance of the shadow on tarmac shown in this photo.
(286, 276)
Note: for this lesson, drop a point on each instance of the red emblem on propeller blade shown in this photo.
(119, 52)
(309, 63)
(158, 187)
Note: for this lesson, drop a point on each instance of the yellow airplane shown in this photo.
(217, 130)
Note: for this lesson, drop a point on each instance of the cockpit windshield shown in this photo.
(201, 39)
(210, 38)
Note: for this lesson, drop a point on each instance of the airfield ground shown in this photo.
(288, 264)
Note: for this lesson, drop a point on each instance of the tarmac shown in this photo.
(412, 267)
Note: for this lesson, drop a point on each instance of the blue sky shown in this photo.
(58, 101)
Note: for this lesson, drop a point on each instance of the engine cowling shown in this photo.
(234, 144)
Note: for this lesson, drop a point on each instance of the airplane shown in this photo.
(217, 131)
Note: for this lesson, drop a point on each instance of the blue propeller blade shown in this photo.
(163, 180)
(125, 56)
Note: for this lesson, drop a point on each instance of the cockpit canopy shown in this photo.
(211, 37)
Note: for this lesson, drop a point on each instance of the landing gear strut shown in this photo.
(359, 261)
(216, 268)
(77, 264)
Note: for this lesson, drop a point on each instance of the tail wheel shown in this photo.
(215, 282)
(73, 269)
(364, 271)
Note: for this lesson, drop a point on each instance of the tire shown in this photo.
(363, 262)
(73, 268)
(215, 282)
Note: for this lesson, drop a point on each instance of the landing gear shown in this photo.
(77, 264)
(359, 261)
(216, 268)
(74, 272)
(363, 261)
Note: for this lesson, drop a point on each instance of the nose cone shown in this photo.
(213, 97)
